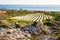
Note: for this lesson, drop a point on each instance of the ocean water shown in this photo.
(33, 7)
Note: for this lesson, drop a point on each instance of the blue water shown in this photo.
(33, 7)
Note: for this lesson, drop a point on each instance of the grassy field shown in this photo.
(14, 13)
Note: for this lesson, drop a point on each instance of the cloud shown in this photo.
(30, 2)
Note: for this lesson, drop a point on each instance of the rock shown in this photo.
(30, 29)
(13, 34)
(45, 37)
(25, 33)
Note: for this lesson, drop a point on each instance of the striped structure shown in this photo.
(33, 17)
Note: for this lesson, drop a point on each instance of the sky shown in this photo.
(29, 2)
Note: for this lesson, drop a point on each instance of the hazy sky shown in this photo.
(29, 2)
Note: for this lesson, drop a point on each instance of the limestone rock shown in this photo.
(13, 34)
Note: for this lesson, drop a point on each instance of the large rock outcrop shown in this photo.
(41, 31)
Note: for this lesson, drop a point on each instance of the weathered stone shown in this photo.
(14, 34)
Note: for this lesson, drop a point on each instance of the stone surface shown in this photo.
(13, 34)
(25, 33)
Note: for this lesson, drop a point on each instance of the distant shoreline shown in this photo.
(33, 10)
(32, 7)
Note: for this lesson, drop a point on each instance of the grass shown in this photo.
(21, 22)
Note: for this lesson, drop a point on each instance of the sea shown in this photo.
(32, 7)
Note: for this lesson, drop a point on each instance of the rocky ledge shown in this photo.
(13, 34)
(39, 30)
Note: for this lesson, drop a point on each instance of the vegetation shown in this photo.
(12, 13)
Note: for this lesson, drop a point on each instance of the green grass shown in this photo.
(21, 22)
